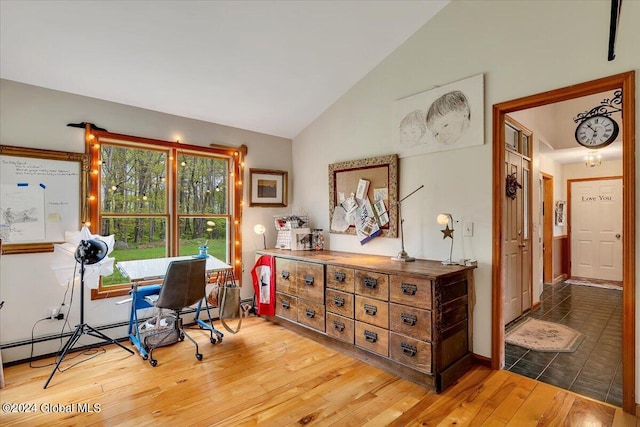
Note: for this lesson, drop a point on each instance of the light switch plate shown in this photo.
(467, 229)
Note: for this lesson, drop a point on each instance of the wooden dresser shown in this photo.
(412, 319)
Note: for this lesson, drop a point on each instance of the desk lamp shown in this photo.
(446, 220)
(259, 229)
(403, 256)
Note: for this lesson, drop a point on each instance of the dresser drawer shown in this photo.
(339, 303)
(340, 278)
(285, 276)
(410, 291)
(374, 285)
(410, 352)
(310, 281)
(311, 314)
(372, 311)
(413, 322)
(340, 327)
(287, 306)
(372, 338)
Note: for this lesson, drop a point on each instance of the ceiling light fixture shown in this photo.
(593, 159)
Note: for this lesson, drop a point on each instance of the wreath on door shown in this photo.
(512, 186)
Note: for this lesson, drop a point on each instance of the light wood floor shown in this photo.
(266, 375)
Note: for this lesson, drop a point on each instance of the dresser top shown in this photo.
(422, 267)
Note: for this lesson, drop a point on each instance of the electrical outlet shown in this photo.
(53, 312)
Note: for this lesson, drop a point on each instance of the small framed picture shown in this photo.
(267, 188)
(561, 213)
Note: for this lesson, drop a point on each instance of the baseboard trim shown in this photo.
(482, 360)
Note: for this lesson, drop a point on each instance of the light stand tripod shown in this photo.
(84, 258)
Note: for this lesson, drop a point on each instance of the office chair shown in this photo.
(183, 286)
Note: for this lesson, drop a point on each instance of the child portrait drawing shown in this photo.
(440, 119)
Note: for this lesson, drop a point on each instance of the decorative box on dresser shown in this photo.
(410, 318)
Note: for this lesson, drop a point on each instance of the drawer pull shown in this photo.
(340, 276)
(338, 326)
(371, 310)
(409, 319)
(408, 349)
(370, 336)
(286, 305)
(409, 289)
(285, 274)
(308, 280)
(338, 301)
(310, 313)
(370, 282)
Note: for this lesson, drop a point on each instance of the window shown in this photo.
(162, 199)
(517, 137)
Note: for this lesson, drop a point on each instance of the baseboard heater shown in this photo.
(46, 338)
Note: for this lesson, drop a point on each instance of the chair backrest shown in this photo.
(183, 285)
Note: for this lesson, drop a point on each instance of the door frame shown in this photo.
(626, 82)
(547, 228)
(569, 182)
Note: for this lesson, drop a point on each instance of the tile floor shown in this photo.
(595, 368)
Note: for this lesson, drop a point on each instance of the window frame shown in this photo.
(235, 157)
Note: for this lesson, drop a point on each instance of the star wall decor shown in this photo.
(447, 232)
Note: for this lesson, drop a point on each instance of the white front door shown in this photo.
(596, 229)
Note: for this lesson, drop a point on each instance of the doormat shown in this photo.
(593, 283)
(540, 335)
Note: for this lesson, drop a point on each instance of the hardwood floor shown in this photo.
(267, 375)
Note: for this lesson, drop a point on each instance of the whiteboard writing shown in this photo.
(39, 199)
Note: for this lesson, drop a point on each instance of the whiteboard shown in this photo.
(40, 198)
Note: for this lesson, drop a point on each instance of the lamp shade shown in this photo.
(443, 218)
(91, 251)
(259, 229)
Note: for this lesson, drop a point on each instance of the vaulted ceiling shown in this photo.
(267, 66)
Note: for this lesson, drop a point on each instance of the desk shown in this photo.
(155, 268)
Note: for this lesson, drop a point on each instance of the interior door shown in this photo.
(517, 225)
(512, 235)
(596, 229)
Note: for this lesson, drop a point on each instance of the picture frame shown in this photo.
(268, 188)
(381, 173)
(561, 212)
(46, 193)
(446, 117)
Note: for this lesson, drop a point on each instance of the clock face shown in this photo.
(597, 131)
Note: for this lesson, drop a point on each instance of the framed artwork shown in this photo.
(43, 194)
(561, 212)
(377, 179)
(444, 118)
(267, 188)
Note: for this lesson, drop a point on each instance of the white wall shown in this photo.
(36, 117)
(523, 48)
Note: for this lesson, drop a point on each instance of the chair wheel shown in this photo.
(199, 356)
(153, 362)
(145, 357)
(181, 336)
(213, 340)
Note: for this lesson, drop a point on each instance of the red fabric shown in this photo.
(263, 274)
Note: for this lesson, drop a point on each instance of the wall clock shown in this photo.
(597, 131)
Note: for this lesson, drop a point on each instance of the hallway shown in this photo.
(595, 368)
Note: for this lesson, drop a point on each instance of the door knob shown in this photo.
(618, 235)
